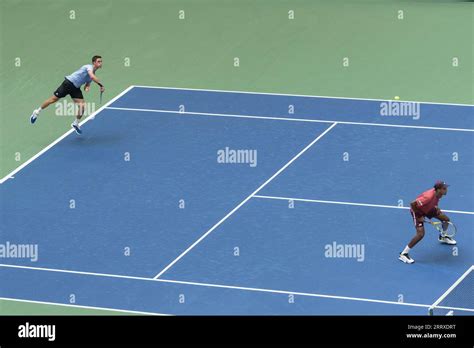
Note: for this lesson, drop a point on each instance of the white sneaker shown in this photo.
(76, 128)
(405, 258)
(446, 240)
(34, 116)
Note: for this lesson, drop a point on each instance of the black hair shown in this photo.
(95, 58)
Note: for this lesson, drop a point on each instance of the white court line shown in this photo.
(10, 175)
(90, 117)
(298, 95)
(220, 286)
(245, 201)
(78, 306)
(451, 288)
(351, 203)
(287, 119)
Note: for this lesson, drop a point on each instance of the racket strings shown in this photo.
(445, 228)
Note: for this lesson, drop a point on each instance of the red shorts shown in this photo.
(418, 219)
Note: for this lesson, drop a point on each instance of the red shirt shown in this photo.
(427, 201)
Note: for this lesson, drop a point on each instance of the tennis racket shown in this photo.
(100, 97)
(446, 228)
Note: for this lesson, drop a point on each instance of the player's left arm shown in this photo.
(440, 215)
(87, 87)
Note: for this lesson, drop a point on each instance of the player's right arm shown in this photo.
(95, 79)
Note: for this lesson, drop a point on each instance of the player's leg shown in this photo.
(51, 100)
(420, 233)
(59, 93)
(80, 106)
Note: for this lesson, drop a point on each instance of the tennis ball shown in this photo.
(397, 97)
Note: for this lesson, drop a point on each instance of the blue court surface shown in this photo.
(199, 202)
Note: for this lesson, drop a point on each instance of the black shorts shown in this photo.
(67, 87)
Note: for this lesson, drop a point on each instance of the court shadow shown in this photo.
(92, 140)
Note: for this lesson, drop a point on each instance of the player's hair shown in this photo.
(95, 58)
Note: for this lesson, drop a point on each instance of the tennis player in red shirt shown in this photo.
(426, 205)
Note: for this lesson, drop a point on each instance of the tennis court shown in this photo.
(187, 201)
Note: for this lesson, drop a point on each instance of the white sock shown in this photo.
(406, 250)
(37, 111)
(76, 122)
